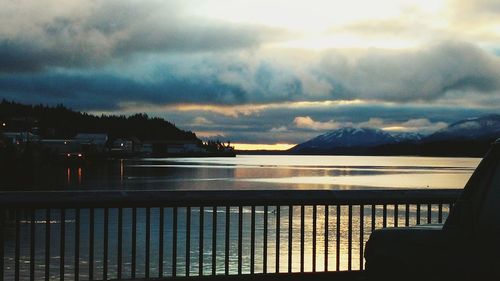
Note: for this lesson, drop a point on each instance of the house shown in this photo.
(123, 145)
(173, 147)
(61, 146)
(17, 138)
(92, 142)
(146, 148)
(179, 147)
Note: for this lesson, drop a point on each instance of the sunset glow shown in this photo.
(253, 146)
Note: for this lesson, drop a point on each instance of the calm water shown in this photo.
(243, 172)
(257, 172)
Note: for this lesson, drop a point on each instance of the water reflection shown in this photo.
(254, 172)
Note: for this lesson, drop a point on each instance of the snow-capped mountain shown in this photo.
(485, 127)
(478, 132)
(346, 137)
(404, 137)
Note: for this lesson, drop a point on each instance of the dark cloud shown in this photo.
(443, 73)
(106, 92)
(92, 33)
(421, 75)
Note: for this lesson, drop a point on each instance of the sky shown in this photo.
(260, 73)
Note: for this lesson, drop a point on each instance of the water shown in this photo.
(243, 172)
(255, 172)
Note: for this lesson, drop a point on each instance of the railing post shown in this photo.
(77, 245)
(264, 250)
(302, 238)
(188, 240)
(361, 234)
(252, 240)
(62, 247)
(337, 241)
(314, 238)
(278, 233)
(240, 239)
(214, 240)
(290, 237)
(2, 223)
(32, 244)
(227, 237)
(18, 245)
(200, 241)
(326, 236)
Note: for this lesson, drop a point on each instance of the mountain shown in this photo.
(407, 137)
(479, 128)
(347, 137)
(469, 137)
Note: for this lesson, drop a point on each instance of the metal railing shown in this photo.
(92, 235)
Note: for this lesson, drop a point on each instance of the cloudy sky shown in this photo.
(257, 71)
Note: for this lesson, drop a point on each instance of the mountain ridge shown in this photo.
(468, 137)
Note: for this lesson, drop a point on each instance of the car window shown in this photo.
(490, 215)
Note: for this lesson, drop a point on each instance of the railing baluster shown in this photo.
(134, 242)
(337, 248)
(32, 246)
(161, 231)
(418, 214)
(62, 247)
(252, 241)
(407, 214)
(120, 244)
(18, 245)
(200, 241)
(384, 215)
(227, 237)
(429, 213)
(440, 213)
(349, 238)
(396, 215)
(47, 244)
(326, 236)
(174, 242)
(188, 240)
(361, 235)
(105, 246)
(214, 240)
(315, 210)
(147, 242)
(374, 217)
(77, 245)
(264, 250)
(302, 234)
(240, 239)
(278, 233)
(290, 237)
(2, 265)
(91, 244)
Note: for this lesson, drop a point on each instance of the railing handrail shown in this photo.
(182, 198)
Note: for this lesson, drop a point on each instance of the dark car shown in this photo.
(465, 247)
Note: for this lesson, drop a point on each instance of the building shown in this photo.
(92, 142)
(123, 145)
(17, 138)
(62, 146)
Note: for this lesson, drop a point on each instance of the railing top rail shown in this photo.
(161, 198)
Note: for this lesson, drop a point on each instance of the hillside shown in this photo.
(61, 122)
